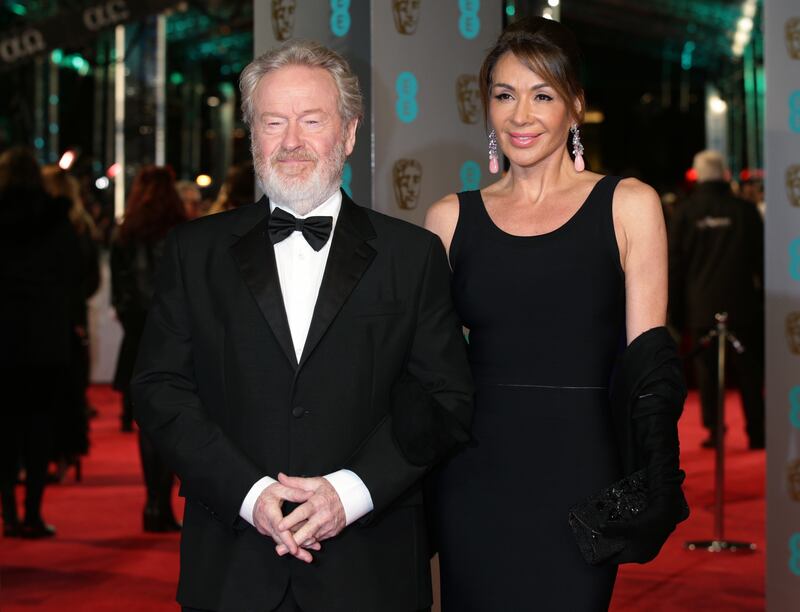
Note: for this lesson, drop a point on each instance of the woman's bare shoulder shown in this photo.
(442, 218)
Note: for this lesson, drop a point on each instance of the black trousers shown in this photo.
(26, 434)
(287, 605)
(748, 369)
(158, 478)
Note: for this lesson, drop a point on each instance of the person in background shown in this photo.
(555, 270)
(153, 208)
(716, 265)
(72, 426)
(191, 197)
(41, 295)
(752, 190)
(237, 190)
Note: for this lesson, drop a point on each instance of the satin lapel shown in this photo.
(256, 260)
(349, 258)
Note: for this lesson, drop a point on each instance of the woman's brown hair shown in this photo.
(59, 183)
(547, 48)
(153, 208)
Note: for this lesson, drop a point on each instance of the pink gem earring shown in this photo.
(577, 148)
(494, 160)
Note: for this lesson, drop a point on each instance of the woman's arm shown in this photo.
(642, 239)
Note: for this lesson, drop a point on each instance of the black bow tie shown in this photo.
(316, 230)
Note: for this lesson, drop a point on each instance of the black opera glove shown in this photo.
(655, 431)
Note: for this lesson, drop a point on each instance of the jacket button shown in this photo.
(298, 411)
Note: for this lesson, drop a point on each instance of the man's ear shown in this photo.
(350, 136)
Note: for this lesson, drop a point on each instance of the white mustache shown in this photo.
(294, 156)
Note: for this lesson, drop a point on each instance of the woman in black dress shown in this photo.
(554, 267)
(153, 208)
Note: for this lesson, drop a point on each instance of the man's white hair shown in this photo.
(710, 166)
(303, 53)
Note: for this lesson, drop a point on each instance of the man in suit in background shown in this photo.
(716, 262)
(303, 352)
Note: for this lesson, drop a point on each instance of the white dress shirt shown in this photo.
(300, 271)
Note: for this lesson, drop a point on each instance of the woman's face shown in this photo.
(530, 117)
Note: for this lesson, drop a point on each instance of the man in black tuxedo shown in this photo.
(309, 340)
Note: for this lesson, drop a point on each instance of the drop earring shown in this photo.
(577, 148)
(494, 160)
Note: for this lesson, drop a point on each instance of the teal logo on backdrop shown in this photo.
(347, 177)
(794, 259)
(470, 175)
(406, 106)
(340, 17)
(794, 410)
(469, 23)
(794, 111)
(794, 556)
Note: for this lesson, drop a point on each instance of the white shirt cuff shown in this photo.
(249, 503)
(353, 494)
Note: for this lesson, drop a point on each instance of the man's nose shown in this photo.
(291, 137)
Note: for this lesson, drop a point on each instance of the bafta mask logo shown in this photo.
(468, 95)
(793, 331)
(407, 178)
(283, 18)
(793, 37)
(793, 479)
(793, 184)
(406, 15)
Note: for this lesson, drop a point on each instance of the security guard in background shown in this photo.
(716, 264)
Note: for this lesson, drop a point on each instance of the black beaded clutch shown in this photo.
(617, 503)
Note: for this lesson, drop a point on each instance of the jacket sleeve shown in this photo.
(755, 244)
(123, 285)
(431, 410)
(213, 471)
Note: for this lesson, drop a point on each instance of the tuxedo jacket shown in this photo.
(382, 388)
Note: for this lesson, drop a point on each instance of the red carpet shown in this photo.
(679, 579)
(101, 560)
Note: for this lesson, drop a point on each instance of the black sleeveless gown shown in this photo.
(546, 316)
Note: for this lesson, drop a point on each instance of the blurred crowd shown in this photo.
(54, 233)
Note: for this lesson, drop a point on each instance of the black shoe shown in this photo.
(12, 530)
(709, 442)
(37, 530)
(155, 521)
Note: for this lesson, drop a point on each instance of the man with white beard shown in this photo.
(302, 368)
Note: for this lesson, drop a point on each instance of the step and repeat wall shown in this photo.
(782, 144)
(423, 135)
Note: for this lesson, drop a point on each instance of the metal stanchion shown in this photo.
(719, 543)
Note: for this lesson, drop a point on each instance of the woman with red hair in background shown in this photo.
(153, 208)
